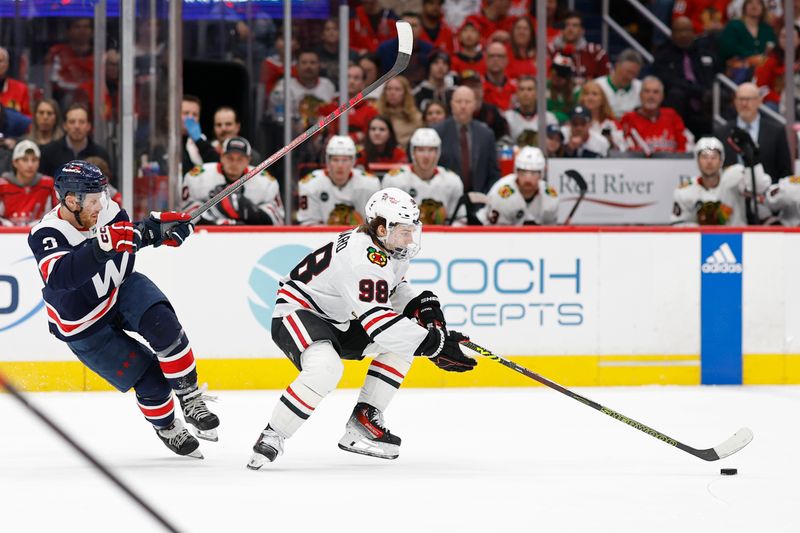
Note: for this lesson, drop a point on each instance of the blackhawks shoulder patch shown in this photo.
(196, 170)
(377, 256)
(505, 191)
(550, 191)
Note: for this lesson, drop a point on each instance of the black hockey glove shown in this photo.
(426, 310)
(153, 228)
(240, 208)
(743, 144)
(444, 351)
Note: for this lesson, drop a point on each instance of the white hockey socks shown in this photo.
(384, 377)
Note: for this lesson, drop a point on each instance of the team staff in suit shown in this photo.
(468, 145)
(769, 135)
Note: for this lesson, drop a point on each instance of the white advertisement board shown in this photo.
(520, 293)
(620, 191)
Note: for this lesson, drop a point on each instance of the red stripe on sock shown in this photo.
(388, 369)
(296, 397)
(179, 365)
(158, 412)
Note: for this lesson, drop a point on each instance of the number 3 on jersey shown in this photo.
(369, 290)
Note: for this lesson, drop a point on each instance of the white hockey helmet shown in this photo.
(709, 143)
(341, 145)
(529, 158)
(425, 137)
(403, 228)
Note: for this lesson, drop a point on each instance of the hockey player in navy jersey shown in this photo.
(85, 252)
(347, 300)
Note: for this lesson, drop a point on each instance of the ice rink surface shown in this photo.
(472, 460)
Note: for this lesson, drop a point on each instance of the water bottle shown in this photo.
(278, 110)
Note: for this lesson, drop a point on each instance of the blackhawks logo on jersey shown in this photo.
(713, 213)
(196, 170)
(432, 212)
(549, 191)
(505, 191)
(377, 256)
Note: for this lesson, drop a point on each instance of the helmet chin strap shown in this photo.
(76, 213)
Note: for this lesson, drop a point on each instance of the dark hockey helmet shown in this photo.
(79, 177)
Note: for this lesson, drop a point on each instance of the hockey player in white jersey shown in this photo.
(523, 197)
(258, 202)
(337, 194)
(716, 197)
(783, 198)
(435, 189)
(347, 300)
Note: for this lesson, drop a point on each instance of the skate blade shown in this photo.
(372, 451)
(209, 434)
(257, 461)
(197, 454)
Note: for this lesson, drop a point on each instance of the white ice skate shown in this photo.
(179, 440)
(266, 449)
(366, 434)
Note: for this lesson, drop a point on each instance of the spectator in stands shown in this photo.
(272, 68)
(337, 194)
(468, 145)
(652, 128)
(590, 60)
(84, 93)
(436, 190)
(687, 66)
(621, 86)
(469, 53)
(418, 64)
(434, 113)
(486, 113)
(438, 86)
(581, 140)
(372, 66)
(561, 87)
(554, 144)
(555, 10)
(521, 49)
(744, 41)
(380, 147)
(773, 9)
(457, 11)
(770, 75)
(716, 198)
(252, 40)
(13, 93)
(71, 63)
(359, 116)
(328, 52)
(13, 125)
(227, 125)
(492, 20)
(77, 142)
(524, 116)
(768, 135)
(307, 81)
(524, 197)
(370, 25)
(434, 29)
(604, 122)
(397, 105)
(46, 126)
(25, 194)
(497, 87)
(258, 202)
(705, 15)
(197, 150)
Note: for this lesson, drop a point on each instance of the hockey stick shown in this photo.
(743, 145)
(405, 44)
(578, 179)
(17, 395)
(739, 440)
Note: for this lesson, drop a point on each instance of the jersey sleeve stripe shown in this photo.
(301, 292)
(46, 264)
(386, 325)
(295, 298)
(373, 311)
(377, 319)
(73, 327)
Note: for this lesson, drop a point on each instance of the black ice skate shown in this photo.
(197, 414)
(268, 446)
(366, 434)
(180, 441)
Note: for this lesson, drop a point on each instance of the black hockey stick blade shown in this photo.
(405, 45)
(739, 440)
(575, 176)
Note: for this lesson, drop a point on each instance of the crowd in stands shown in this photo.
(471, 89)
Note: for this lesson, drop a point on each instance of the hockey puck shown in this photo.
(728, 471)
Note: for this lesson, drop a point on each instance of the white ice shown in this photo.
(472, 460)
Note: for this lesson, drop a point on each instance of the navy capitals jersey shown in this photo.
(79, 292)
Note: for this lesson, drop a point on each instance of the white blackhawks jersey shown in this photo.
(322, 202)
(784, 199)
(203, 182)
(436, 197)
(724, 205)
(351, 278)
(507, 207)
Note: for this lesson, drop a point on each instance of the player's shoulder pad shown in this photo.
(308, 177)
(267, 175)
